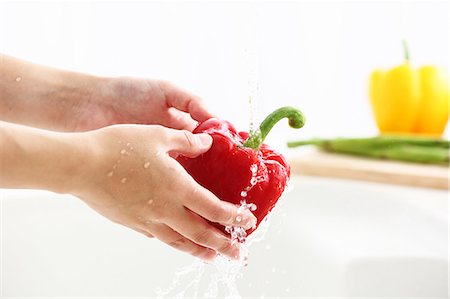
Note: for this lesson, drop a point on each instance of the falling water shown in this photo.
(252, 63)
(218, 279)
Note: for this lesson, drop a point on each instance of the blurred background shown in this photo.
(328, 237)
(316, 55)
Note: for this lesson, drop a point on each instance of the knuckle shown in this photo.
(164, 84)
(178, 243)
(216, 214)
(190, 139)
(197, 100)
(199, 252)
(220, 213)
(161, 133)
(226, 246)
(203, 237)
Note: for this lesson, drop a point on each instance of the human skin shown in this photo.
(125, 172)
(59, 100)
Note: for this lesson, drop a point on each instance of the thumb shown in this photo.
(188, 144)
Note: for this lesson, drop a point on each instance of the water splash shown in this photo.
(179, 289)
(217, 279)
(253, 180)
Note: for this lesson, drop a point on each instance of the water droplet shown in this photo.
(147, 165)
(238, 218)
(123, 152)
(150, 201)
(254, 168)
(253, 181)
(252, 207)
(244, 193)
(123, 180)
(157, 153)
(110, 174)
(18, 79)
(115, 166)
(128, 144)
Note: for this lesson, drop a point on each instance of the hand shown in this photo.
(60, 100)
(139, 101)
(133, 180)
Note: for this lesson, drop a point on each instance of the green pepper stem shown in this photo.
(296, 120)
(405, 49)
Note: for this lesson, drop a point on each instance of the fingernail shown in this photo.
(250, 220)
(250, 224)
(205, 139)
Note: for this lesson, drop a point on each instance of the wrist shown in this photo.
(38, 159)
(77, 94)
(72, 170)
(43, 97)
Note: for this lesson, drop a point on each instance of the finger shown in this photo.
(200, 232)
(144, 232)
(185, 101)
(206, 204)
(177, 241)
(188, 144)
(181, 120)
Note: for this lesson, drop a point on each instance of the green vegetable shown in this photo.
(403, 148)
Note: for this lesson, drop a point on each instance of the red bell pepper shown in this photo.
(241, 169)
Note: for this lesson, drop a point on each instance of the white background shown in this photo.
(315, 55)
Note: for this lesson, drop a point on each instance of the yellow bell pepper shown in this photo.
(408, 100)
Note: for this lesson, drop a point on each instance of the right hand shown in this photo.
(132, 179)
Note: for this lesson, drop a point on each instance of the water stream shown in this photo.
(218, 279)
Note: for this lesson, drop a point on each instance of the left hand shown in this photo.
(138, 101)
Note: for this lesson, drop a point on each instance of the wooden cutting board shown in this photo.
(320, 163)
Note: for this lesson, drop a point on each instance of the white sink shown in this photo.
(327, 238)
